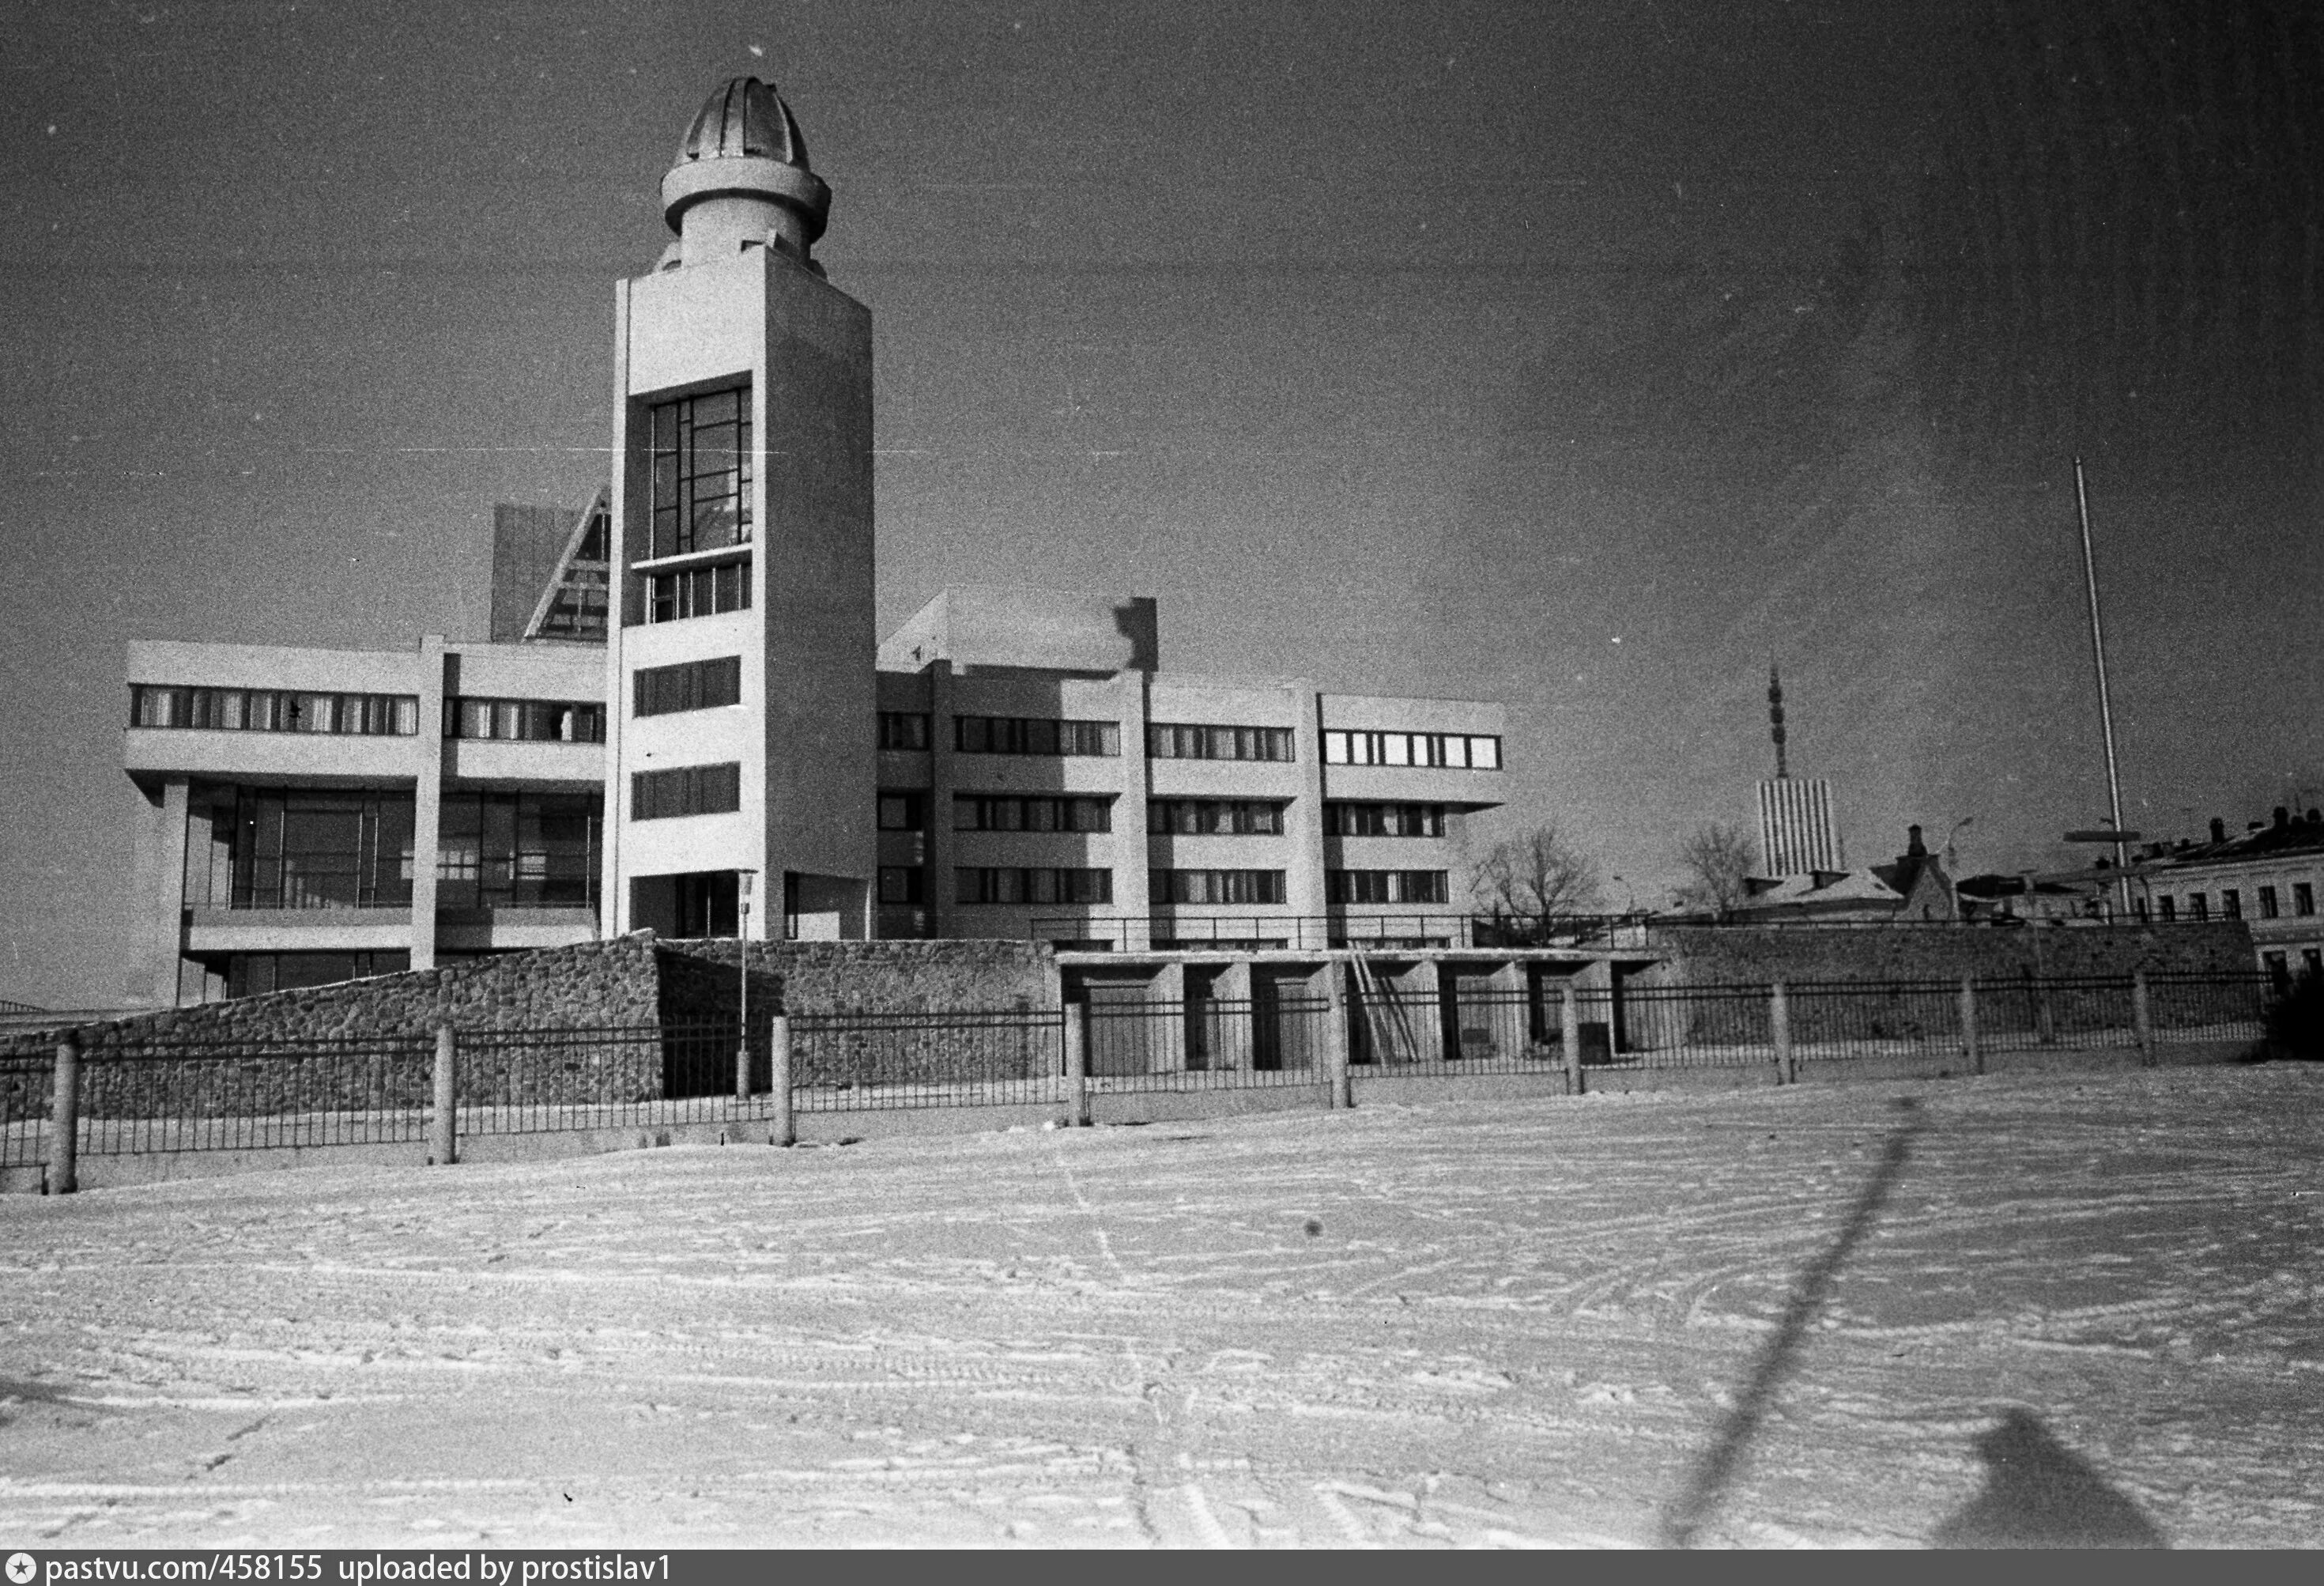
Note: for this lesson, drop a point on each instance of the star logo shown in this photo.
(22, 1569)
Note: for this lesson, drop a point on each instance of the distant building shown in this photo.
(1798, 834)
(2270, 876)
(1913, 888)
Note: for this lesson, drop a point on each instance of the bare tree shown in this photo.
(1718, 859)
(1535, 879)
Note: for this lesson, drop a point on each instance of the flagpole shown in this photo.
(2106, 706)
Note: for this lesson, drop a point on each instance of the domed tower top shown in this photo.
(741, 177)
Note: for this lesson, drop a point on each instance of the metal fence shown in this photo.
(28, 1088)
(550, 1081)
(1208, 1043)
(841, 1062)
(161, 1096)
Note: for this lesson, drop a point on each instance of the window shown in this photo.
(1384, 820)
(700, 485)
(903, 729)
(2199, 907)
(518, 850)
(900, 883)
(694, 789)
(1166, 741)
(699, 685)
(1034, 735)
(698, 592)
(2278, 970)
(272, 710)
(903, 812)
(2170, 907)
(1215, 886)
(255, 974)
(2138, 910)
(2231, 903)
(1007, 885)
(1384, 886)
(2311, 960)
(2268, 908)
(984, 812)
(1448, 750)
(1215, 817)
(530, 721)
(300, 848)
(2303, 898)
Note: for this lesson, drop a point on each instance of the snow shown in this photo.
(1513, 1323)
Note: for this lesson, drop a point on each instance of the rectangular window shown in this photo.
(700, 458)
(2169, 905)
(903, 729)
(902, 883)
(698, 592)
(693, 789)
(270, 710)
(1002, 812)
(1216, 886)
(1215, 817)
(903, 812)
(1035, 735)
(1385, 886)
(2199, 907)
(1169, 741)
(2231, 904)
(518, 850)
(2138, 910)
(2303, 898)
(1003, 884)
(697, 685)
(2278, 970)
(1448, 750)
(2268, 908)
(1384, 820)
(299, 848)
(2311, 959)
(526, 721)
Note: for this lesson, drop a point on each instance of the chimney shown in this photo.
(2218, 830)
(1914, 847)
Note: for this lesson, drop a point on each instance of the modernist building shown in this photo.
(682, 719)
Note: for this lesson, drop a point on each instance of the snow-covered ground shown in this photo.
(1467, 1324)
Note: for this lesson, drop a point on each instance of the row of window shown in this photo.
(698, 592)
(695, 684)
(1455, 751)
(1018, 884)
(306, 848)
(528, 721)
(1167, 740)
(1385, 886)
(272, 710)
(689, 790)
(982, 812)
(1383, 820)
(1220, 818)
(1171, 741)
(1011, 812)
(2279, 966)
(2231, 903)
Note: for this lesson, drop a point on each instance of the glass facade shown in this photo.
(518, 850)
(311, 848)
(701, 472)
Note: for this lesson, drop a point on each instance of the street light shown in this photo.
(742, 880)
(1947, 850)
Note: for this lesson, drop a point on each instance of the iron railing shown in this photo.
(171, 1096)
(1388, 931)
(1209, 1043)
(843, 1062)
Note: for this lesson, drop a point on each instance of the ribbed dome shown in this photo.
(745, 119)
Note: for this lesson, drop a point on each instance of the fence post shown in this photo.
(1779, 1027)
(1077, 1024)
(779, 1079)
(444, 1127)
(1570, 1037)
(1972, 1050)
(2142, 1018)
(743, 1064)
(63, 1176)
(1341, 1089)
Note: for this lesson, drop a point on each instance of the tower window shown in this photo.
(699, 591)
(701, 472)
(694, 789)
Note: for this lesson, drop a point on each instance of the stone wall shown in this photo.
(1758, 955)
(700, 982)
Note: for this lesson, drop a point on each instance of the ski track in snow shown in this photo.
(1516, 1325)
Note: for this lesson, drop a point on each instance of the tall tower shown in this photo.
(1798, 832)
(740, 673)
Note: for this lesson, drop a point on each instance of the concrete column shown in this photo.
(63, 1176)
(1231, 1033)
(439, 675)
(169, 880)
(1076, 1030)
(1167, 1055)
(1570, 1027)
(941, 908)
(1338, 1091)
(778, 1055)
(1421, 993)
(444, 1121)
(1133, 900)
(1303, 827)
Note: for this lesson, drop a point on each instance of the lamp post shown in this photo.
(742, 880)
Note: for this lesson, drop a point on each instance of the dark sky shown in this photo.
(1580, 356)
